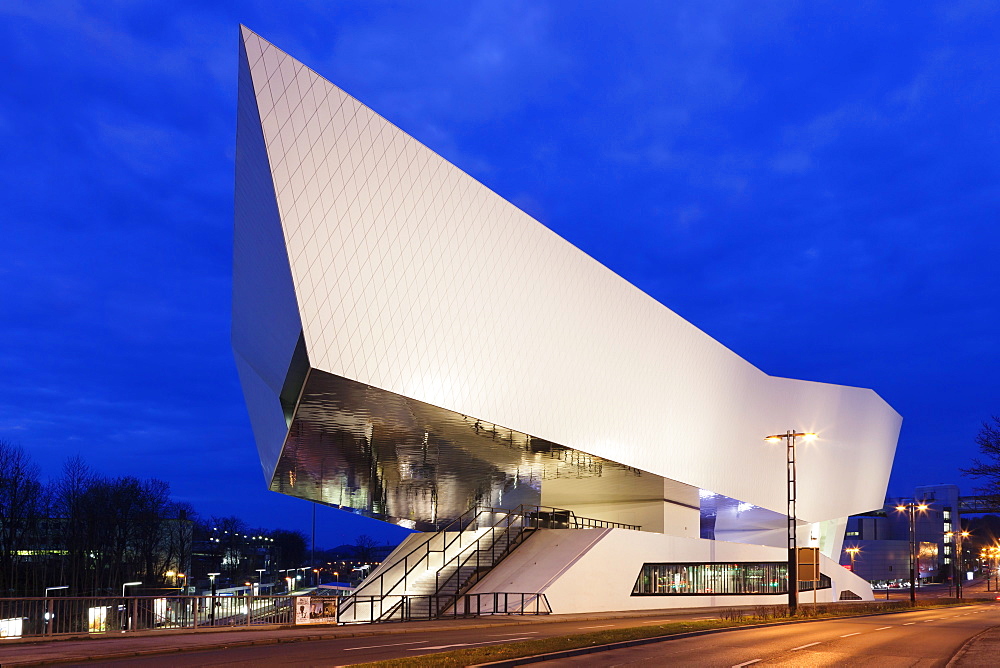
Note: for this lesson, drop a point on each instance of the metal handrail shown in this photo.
(463, 521)
(479, 552)
(532, 516)
(426, 607)
(477, 512)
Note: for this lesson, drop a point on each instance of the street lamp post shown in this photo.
(853, 552)
(793, 579)
(911, 509)
(48, 607)
(957, 572)
(128, 622)
(958, 560)
(211, 614)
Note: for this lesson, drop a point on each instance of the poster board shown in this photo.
(315, 609)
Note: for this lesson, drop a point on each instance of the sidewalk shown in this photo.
(981, 650)
(35, 651)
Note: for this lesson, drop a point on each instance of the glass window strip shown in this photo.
(717, 579)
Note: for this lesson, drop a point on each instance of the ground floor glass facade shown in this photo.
(715, 579)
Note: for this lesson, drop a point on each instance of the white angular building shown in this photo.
(411, 345)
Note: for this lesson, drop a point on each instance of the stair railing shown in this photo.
(418, 559)
(392, 584)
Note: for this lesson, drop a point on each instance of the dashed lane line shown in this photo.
(602, 626)
(395, 644)
(883, 628)
(848, 635)
(746, 663)
(909, 623)
(803, 646)
(467, 644)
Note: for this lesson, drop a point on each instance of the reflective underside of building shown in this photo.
(406, 461)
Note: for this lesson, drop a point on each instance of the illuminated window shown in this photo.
(717, 579)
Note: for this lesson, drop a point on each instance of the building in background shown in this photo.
(415, 348)
(882, 538)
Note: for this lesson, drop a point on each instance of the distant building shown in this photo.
(882, 537)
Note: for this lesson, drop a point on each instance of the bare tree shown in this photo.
(987, 467)
(21, 500)
(364, 548)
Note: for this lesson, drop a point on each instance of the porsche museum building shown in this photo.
(414, 348)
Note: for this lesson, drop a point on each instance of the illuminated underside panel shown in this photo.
(396, 458)
(416, 287)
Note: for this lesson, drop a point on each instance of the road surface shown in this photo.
(921, 638)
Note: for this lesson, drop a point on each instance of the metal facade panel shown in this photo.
(414, 278)
(266, 321)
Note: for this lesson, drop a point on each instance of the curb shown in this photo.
(969, 645)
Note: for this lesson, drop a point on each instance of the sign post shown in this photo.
(808, 567)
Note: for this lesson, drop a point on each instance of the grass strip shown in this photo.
(514, 650)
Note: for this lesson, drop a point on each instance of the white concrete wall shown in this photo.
(594, 570)
(412, 277)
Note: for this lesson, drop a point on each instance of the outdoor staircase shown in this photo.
(428, 581)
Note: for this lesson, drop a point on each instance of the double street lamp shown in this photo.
(912, 508)
(793, 571)
(853, 552)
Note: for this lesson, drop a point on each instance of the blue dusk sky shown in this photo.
(814, 184)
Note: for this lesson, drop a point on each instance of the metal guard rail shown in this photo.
(428, 607)
(60, 615)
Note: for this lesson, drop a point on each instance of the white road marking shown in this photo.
(745, 663)
(908, 623)
(883, 628)
(602, 626)
(500, 635)
(928, 620)
(466, 644)
(848, 635)
(395, 644)
(803, 646)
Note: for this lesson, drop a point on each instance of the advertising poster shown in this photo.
(315, 610)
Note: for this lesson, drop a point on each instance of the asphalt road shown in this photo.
(922, 638)
(345, 651)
